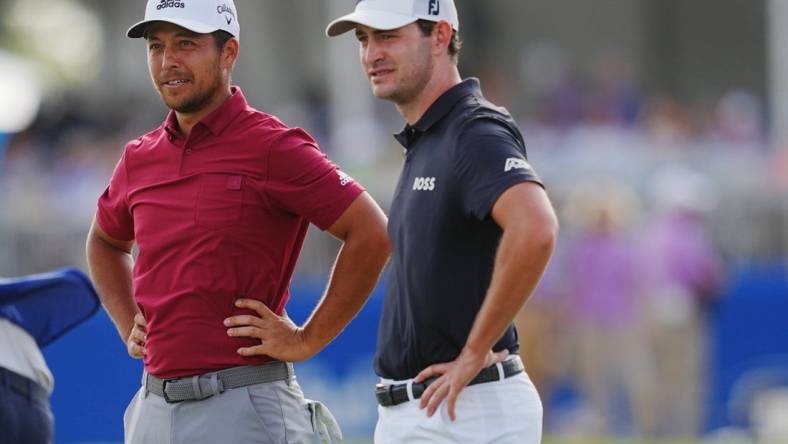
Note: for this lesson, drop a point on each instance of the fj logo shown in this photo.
(513, 163)
(164, 4)
(435, 7)
(424, 184)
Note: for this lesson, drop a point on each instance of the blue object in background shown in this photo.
(48, 305)
(748, 337)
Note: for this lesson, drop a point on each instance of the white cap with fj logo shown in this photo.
(392, 14)
(200, 16)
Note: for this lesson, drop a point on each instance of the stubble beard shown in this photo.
(197, 101)
(412, 83)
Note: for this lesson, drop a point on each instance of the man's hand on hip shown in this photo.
(279, 337)
(452, 378)
(135, 343)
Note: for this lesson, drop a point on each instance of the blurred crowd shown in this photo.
(658, 196)
(620, 312)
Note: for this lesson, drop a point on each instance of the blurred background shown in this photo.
(658, 127)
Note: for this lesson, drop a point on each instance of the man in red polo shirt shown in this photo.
(218, 200)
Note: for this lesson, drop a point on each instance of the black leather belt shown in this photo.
(392, 394)
(24, 386)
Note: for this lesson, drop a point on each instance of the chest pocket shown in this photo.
(219, 200)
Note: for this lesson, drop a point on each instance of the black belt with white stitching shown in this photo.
(392, 394)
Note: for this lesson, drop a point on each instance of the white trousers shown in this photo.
(501, 412)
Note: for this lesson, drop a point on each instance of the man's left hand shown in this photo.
(279, 337)
(453, 377)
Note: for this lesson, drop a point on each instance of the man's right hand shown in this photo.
(135, 344)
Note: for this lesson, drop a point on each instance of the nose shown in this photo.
(169, 59)
(370, 53)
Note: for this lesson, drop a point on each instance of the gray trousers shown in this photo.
(268, 413)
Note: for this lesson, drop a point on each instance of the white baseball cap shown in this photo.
(200, 16)
(392, 14)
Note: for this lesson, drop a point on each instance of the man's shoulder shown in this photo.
(270, 131)
(145, 141)
(477, 108)
(478, 117)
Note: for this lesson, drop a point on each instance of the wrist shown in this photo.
(474, 354)
(125, 334)
(306, 342)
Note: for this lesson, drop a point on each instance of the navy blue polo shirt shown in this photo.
(460, 157)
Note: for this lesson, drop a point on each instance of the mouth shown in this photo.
(377, 74)
(174, 83)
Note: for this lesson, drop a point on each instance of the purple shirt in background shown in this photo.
(604, 273)
(678, 252)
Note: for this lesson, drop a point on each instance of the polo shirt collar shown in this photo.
(219, 118)
(438, 110)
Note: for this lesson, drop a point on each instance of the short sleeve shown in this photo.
(113, 214)
(303, 181)
(489, 160)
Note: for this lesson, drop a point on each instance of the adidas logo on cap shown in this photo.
(170, 4)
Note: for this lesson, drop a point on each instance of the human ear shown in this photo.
(229, 53)
(443, 33)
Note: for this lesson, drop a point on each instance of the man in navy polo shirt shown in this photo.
(472, 231)
(218, 200)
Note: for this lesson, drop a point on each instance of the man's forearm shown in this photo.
(520, 261)
(357, 269)
(110, 270)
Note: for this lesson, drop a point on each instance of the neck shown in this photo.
(186, 121)
(438, 84)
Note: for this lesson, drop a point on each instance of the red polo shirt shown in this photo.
(216, 216)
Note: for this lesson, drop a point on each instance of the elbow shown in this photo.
(380, 242)
(546, 235)
(546, 240)
(373, 240)
(378, 236)
(91, 245)
(554, 228)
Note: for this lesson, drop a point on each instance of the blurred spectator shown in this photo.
(739, 118)
(668, 122)
(615, 98)
(683, 275)
(605, 296)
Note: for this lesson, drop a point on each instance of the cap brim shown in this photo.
(381, 20)
(138, 30)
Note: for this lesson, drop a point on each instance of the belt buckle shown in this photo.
(383, 393)
(164, 391)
